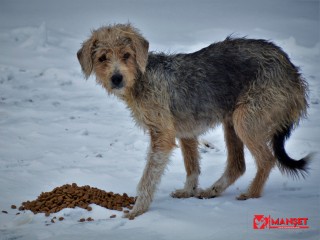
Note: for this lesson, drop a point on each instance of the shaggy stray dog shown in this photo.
(250, 86)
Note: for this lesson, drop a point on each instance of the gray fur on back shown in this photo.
(203, 87)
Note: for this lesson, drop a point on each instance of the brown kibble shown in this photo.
(64, 206)
(82, 220)
(113, 216)
(89, 219)
(85, 197)
(89, 208)
(13, 207)
(61, 218)
(46, 209)
(71, 196)
(126, 211)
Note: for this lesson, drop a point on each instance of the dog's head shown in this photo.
(116, 54)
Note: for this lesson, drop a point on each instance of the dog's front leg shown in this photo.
(162, 143)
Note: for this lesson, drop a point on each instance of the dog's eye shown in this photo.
(126, 56)
(103, 58)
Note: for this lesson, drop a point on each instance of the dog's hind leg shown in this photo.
(235, 163)
(189, 148)
(253, 131)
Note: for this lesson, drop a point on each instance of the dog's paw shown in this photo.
(245, 196)
(207, 193)
(183, 193)
(242, 197)
(130, 215)
(134, 213)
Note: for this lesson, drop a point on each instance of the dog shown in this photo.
(250, 86)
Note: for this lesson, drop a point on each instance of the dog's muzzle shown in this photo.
(117, 81)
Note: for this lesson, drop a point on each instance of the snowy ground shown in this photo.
(56, 128)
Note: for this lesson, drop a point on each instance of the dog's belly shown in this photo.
(189, 129)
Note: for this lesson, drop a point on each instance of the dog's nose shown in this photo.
(117, 81)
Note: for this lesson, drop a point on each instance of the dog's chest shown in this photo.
(150, 115)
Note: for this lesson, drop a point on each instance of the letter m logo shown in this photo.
(260, 222)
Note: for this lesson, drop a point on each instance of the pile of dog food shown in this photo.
(72, 195)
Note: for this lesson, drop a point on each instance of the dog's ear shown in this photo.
(85, 57)
(141, 47)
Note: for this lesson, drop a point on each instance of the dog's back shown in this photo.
(207, 85)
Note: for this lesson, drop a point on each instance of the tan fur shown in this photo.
(189, 148)
(251, 135)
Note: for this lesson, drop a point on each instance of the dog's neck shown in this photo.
(137, 92)
(151, 87)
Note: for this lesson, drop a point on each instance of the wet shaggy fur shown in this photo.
(250, 86)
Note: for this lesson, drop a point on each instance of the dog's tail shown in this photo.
(287, 165)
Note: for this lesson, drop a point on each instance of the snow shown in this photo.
(57, 128)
